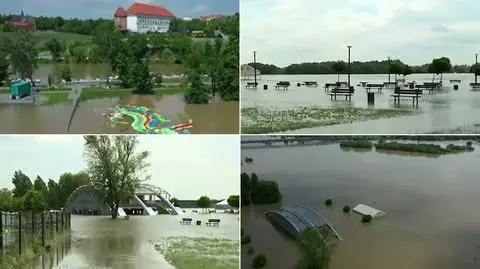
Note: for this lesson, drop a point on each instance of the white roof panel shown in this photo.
(367, 210)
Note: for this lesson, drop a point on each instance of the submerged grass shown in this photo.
(257, 120)
(100, 93)
(197, 253)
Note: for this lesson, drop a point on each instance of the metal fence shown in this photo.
(20, 231)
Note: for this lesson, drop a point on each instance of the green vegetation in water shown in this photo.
(258, 120)
(346, 209)
(356, 144)
(54, 98)
(246, 239)
(193, 253)
(250, 249)
(248, 160)
(257, 191)
(367, 218)
(259, 261)
(100, 93)
(424, 148)
(328, 202)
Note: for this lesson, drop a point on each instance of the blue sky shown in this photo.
(185, 166)
(415, 31)
(106, 8)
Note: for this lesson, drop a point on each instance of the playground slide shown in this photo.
(150, 211)
(145, 207)
(170, 205)
(179, 210)
(121, 212)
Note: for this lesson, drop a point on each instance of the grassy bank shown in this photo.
(257, 120)
(193, 253)
(424, 148)
(364, 144)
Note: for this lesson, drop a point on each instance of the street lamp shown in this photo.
(349, 47)
(476, 62)
(388, 68)
(255, 67)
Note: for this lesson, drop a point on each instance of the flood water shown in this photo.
(99, 242)
(218, 118)
(442, 110)
(431, 205)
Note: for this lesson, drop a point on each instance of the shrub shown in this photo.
(469, 143)
(250, 249)
(367, 218)
(328, 202)
(246, 238)
(248, 160)
(346, 209)
(259, 261)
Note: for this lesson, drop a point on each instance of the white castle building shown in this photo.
(144, 18)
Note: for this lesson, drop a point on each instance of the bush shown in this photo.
(248, 160)
(367, 218)
(246, 238)
(469, 143)
(346, 209)
(250, 249)
(259, 261)
(328, 202)
(356, 144)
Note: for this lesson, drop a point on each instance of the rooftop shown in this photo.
(121, 12)
(146, 9)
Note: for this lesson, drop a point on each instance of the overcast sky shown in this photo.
(186, 166)
(415, 31)
(106, 8)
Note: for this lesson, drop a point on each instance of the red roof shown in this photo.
(211, 17)
(145, 9)
(121, 12)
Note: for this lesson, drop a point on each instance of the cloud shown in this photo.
(292, 31)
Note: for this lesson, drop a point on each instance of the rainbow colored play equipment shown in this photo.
(146, 121)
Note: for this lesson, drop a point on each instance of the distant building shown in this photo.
(144, 18)
(26, 23)
(210, 18)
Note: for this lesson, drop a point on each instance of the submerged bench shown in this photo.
(186, 221)
(414, 94)
(347, 92)
(475, 86)
(213, 222)
(282, 85)
(430, 88)
(251, 85)
(310, 83)
(379, 87)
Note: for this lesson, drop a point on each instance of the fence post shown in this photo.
(1, 234)
(20, 233)
(61, 218)
(43, 228)
(56, 221)
(33, 228)
(51, 225)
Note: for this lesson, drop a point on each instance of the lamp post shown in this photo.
(255, 67)
(388, 68)
(349, 47)
(476, 62)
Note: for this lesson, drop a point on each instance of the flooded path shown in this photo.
(430, 203)
(99, 242)
(443, 110)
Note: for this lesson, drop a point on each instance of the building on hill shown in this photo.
(142, 18)
(26, 23)
(210, 18)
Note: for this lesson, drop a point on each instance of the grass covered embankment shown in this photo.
(258, 120)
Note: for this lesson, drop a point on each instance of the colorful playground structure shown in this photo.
(146, 121)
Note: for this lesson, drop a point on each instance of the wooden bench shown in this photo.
(282, 85)
(379, 87)
(414, 94)
(392, 83)
(475, 86)
(455, 81)
(186, 221)
(213, 222)
(251, 85)
(310, 83)
(347, 92)
(363, 83)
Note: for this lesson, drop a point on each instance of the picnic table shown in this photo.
(251, 85)
(310, 83)
(347, 92)
(213, 222)
(282, 85)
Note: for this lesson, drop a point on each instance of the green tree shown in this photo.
(212, 62)
(55, 48)
(23, 56)
(40, 186)
(67, 184)
(475, 69)
(234, 201)
(265, 192)
(174, 201)
(203, 202)
(50, 80)
(407, 70)
(67, 73)
(228, 78)
(245, 189)
(22, 184)
(138, 44)
(115, 169)
(440, 66)
(3, 67)
(142, 80)
(396, 68)
(34, 202)
(6, 200)
(339, 67)
(53, 195)
(196, 92)
(315, 249)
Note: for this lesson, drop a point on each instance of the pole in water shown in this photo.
(255, 67)
(388, 68)
(476, 62)
(349, 47)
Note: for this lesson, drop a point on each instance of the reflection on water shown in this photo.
(431, 204)
(99, 242)
(221, 117)
(442, 110)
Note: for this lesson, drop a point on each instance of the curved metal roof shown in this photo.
(299, 218)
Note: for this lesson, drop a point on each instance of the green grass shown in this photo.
(195, 253)
(55, 97)
(44, 36)
(100, 93)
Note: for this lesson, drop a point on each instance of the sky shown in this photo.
(106, 8)
(416, 31)
(185, 166)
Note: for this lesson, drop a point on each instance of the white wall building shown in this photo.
(144, 18)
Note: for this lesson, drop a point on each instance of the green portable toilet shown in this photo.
(20, 89)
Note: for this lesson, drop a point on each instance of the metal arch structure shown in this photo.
(158, 190)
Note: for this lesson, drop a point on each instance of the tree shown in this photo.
(315, 249)
(212, 62)
(34, 202)
(40, 186)
(142, 80)
(234, 201)
(68, 183)
(114, 168)
(174, 201)
(22, 184)
(440, 66)
(55, 48)
(203, 202)
(339, 67)
(53, 195)
(407, 70)
(265, 192)
(245, 189)
(196, 92)
(50, 80)
(396, 68)
(67, 73)
(228, 78)
(475, 69)
(6, 199)
(23, 56)
(3, 67)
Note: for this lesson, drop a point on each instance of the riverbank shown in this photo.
(193, 253)
(258, 120)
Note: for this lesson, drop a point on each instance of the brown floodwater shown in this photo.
(216, 118)
(431, 205)
(101, 243)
